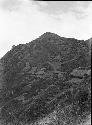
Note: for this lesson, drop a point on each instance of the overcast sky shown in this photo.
(21, 21)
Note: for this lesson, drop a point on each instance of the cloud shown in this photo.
(10, 5)
(59, 7)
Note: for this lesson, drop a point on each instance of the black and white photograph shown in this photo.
(45, 62)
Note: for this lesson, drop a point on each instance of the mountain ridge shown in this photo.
(49, 34)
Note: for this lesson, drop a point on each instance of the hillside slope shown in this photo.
(51, 73)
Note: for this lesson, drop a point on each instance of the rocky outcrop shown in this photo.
(42, 77)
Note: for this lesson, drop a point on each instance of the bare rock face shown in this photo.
(49, 74)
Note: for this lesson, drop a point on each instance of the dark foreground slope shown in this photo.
(51, 73)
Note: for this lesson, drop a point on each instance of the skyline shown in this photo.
(22, 21)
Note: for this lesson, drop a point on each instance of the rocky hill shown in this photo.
(49, 74)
